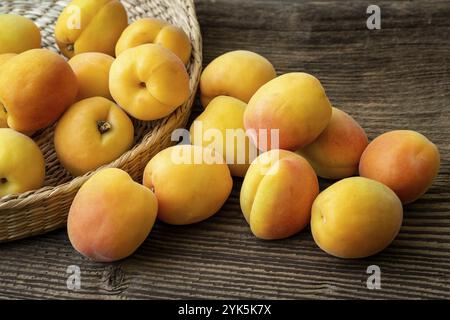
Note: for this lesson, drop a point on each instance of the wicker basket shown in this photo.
(46, 209)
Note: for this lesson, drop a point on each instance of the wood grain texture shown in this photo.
(394, 78)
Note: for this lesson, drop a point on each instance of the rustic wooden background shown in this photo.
(394, 78)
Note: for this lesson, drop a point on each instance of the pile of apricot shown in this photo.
(114, 72)
(279, 133)
(356, 217)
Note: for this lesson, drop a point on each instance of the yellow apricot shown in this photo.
(149, 82)
(92, 71)
(294, 105)
(92, 133)
(18, 34)
(237, 74)
(223, 119)
(151, 30)
(90, 26)
(191, 183)
(277, 194)
(22, 165)
(356, 218)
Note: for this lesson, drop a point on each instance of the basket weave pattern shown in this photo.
(46, 209)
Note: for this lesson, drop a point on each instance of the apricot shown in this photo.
(237, 74)
(149, 82)
(90, 26)
(294, 105)
(277, 194)
(336, 152)
(404, 160)
(356, 218)
(18, 34)
(151, 30)
(223, 120)
(191, 183)
(92, 133)
(92, 71)
(111, 216)
(36, 87)
(22, 165)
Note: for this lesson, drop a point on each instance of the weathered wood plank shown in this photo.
(396, 77)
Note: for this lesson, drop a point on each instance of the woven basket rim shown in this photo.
(22, 200)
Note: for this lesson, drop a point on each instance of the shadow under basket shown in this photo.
(40, 211)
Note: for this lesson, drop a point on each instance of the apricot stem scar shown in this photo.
(103, 126)
(3, 181)
(143, 85)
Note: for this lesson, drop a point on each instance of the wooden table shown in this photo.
(394, 78)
